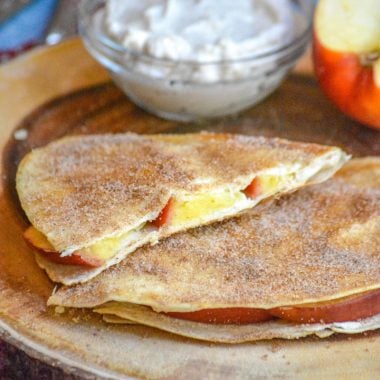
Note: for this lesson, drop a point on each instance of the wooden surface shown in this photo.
(60, 90)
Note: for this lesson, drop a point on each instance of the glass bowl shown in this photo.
(178, 90)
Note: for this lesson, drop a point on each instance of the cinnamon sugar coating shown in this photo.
(80, 189)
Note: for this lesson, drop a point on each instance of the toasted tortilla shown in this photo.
(318, 244)
(81, 190)
(111, 318)
(114, 312)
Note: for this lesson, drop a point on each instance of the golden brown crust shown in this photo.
(79, 190)
(317, 244)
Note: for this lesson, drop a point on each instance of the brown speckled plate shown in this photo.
(60, 90)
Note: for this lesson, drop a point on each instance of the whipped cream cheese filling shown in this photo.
(200, 30)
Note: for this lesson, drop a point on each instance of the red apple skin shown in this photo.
(165, 215)
(39, 244)
(253, 189)
(227, 316)
(351, 308)
(350, 85)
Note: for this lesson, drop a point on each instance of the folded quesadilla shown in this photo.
(307, 263)
(92, 200)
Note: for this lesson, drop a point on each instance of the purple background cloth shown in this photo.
(2, 358)
(16, 365)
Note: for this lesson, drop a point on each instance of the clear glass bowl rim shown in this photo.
(85, 24)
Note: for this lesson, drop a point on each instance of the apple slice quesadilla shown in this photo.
(92, 200)
(307, 263)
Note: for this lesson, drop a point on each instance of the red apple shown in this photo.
(347, 56)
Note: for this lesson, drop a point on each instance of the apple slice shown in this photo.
(347, 56)
(165, 215)
(253, 189)
(234, 316)
(37, 241)
(351, 308)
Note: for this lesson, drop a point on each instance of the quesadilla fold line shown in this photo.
(92, 200)
(315, 249)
